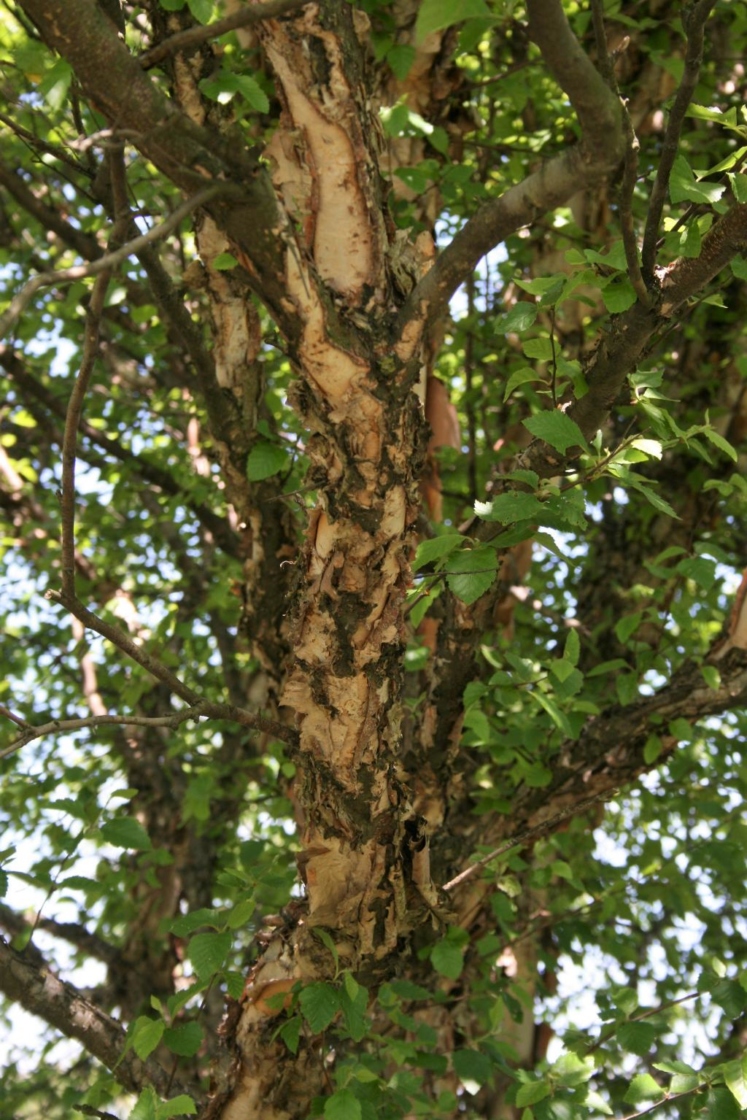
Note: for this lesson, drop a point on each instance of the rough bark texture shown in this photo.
(384, 818)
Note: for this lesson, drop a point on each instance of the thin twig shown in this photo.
(115, 161)
(517, 841)
(20, 302)
(12, 716)
(666, 1099)
(627, 226)
(204, 709)
(630, 172)
(469, 402)
(194, 36)
(70, 438)
(158, 670)
(554, 361)
(124, 642)
(604, 62)
(36, 144)
(694, 24)
(56, 726)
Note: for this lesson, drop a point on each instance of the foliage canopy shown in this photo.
(372, 448)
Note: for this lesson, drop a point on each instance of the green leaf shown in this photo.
(643, 1087)
(614, 258)
(557, 429)
(626, 686)
(328, 941)
(435, 15)
(627, 625)
(700, 569)
(180, 999)
(241, 914)
(184, 1039)
(436, 549)
(711, 676)
(265, 459)
(290, 1032)
(718, 441)
(618, 295)
(126, 832)
(145, 1106)
(447, 958)
(354, 1002)
(684, 187)
(224, 85)
(539, 348)
(558, 717)
(400, 58)
(520, 377)
(201, 9)
(224, 262)
(343, 1105)
(720, 1105)
(529, 478)
(653, 498)
(508, 508)
(439, 139)
(532, 1093)
(520, 318)
(208, 951)
(572, 649)
(188, 923)
(182, 1105)
(625, 999)
(570, 1069)
(637, 1037)
(561, 669)
(319, 1003)
(406, 989)
(146, 1035)
(55, 84)
(735, 1082)
(731, 996)
(471, 1065)
(253, 93)
(597, 1103)
(471, 572)
(606, 667)
(422, 604)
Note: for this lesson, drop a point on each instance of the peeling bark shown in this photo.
(356, 303)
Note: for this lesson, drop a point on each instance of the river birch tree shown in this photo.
(373, 423)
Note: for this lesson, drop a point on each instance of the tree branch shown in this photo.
(194, 36)
(22, 299)
(187, 153)
(83, 244)
(61, 1005)
(694, 26)
(38, 145)
(599, 152)
(70, 438)
(56, 726)
(623, 345)
(627, 226)
(549, 824)
(217, 526)
(72, 932)
(609, 752)
(158, 670)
